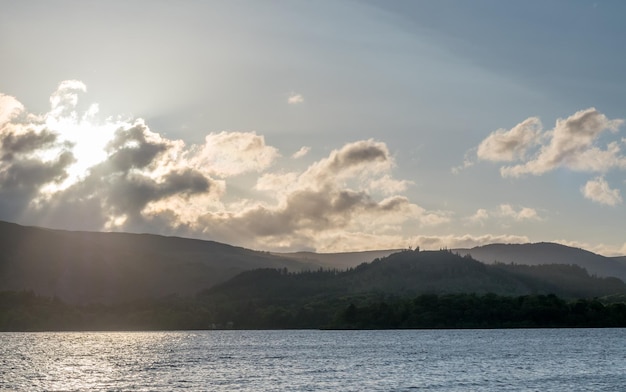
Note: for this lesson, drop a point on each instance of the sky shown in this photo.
(318, 125)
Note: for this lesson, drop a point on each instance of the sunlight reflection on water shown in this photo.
(479, 360)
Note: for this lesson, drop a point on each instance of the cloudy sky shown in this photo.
(318, 125)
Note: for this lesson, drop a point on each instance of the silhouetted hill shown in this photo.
(410, 273)
(548, 253)
(82, 267)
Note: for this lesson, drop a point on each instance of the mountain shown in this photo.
(85, 267)
(409, 273)
(620, 259)
(343, 260)
(411, 289)
(407, 289)
(549, 253)
(91, 267)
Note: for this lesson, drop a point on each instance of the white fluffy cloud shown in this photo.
(573, 143)
(227, 154)
(479, 217)
(9, 109)
(598, 190)
(523, 213)
(503, 145)
(577, 143)
(466, 241)
(504, 212)
(301, 152)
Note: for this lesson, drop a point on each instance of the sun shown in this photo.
(87, 139)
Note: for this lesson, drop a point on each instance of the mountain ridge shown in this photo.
(548, 253)
(81, 267)
(106, 267)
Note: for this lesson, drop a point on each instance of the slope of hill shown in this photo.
(620, 259)
(343, 260)
(548, 253)
(409, 273)
(83, 267)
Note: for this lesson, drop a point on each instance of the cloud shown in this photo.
(301, 152)
(573, 143)
(505, 212)
(361, 157)
(317, 205)
(31, 157)
(601, 249)
(65, 98)
(67, 168)
(479, 216)
(140, 169)
(510, 145)
(468, 161)
(598, 190)
(227, 154)
(523, 213)
(277, 182)
(295, 99)
(465, 241)
(388, 185)
(9, 108)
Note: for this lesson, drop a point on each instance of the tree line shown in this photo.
(26, 311)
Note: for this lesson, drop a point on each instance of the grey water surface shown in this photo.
(311, 360)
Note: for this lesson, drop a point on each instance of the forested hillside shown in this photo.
(411, 272)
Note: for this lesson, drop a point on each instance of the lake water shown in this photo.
(428, 360)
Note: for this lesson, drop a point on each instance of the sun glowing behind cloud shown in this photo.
(69, 168)
(88, 140)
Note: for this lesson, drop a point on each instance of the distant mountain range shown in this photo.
(90, 267)
(549, 253)
(526, 254)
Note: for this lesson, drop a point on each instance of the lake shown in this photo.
(311, 360)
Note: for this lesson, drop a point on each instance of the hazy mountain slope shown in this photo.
(106, 267)
(619, 259)
(548, 253)
(342, 261)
